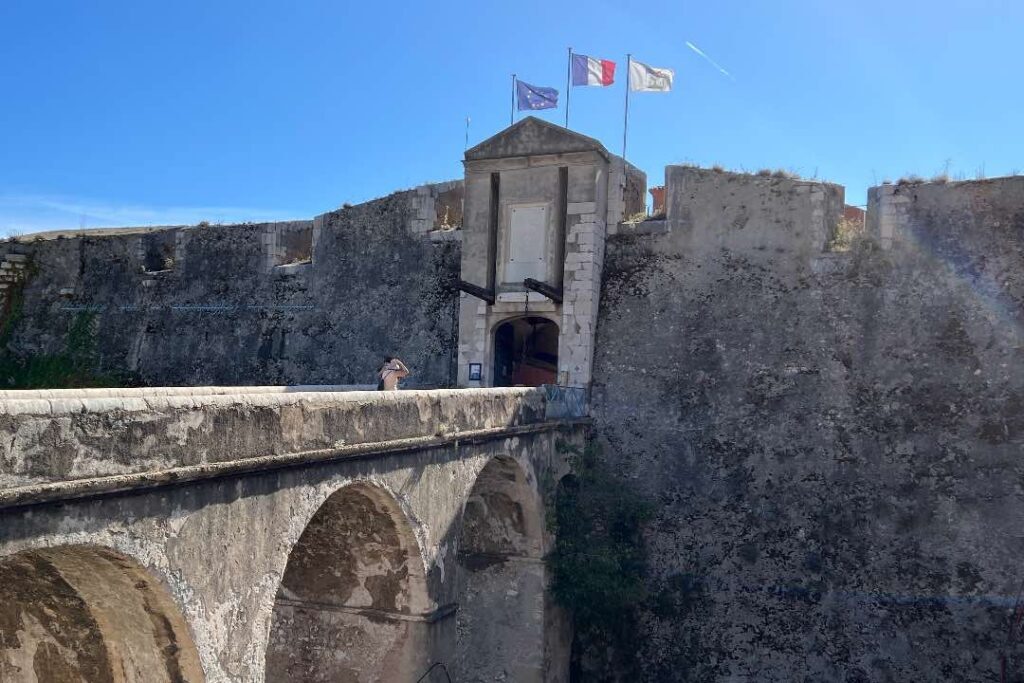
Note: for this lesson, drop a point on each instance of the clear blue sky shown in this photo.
(163, 112)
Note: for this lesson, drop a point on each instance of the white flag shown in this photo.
(649, 78)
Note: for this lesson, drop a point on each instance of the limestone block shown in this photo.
(581, 208)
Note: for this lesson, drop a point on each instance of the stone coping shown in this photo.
(263, 397)
(115, 392)
(68, 438)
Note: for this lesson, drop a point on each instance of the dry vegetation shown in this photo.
(846, 235)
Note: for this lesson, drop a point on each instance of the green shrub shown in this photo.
(598, 563)
(74, 367)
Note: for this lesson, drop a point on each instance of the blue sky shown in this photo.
(174, 112)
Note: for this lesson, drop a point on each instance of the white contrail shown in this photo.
(710, 61)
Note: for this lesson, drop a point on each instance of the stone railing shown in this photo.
(168, 434)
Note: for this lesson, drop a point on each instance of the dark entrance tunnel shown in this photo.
(526, 352)
(351, 603)
(82, 614)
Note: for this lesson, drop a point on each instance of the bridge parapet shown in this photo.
(78, 441)
(151, 392)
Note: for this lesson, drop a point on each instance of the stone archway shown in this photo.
(352, 605)
(525, 352)
(501, 620)
(89, 615)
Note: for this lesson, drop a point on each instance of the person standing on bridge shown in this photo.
(390, 373)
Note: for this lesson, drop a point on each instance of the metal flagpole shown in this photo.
(625, 120)
(512, 114)
(568, 87)
(467, 132)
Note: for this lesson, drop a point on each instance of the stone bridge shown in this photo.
(278, 534)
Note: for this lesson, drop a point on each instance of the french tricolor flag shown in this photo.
(589, 71)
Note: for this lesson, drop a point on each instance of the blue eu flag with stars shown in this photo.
(532, 97)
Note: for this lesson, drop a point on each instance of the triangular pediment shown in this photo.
(533, 137)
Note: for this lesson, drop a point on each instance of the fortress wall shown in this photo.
(832, 440)
(759, 214)
(245, 304)
(979, 215)
(627, 195)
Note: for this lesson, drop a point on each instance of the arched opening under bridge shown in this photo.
(501, 623)
(86, 614)
(352, 605)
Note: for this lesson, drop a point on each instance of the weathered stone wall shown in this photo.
(627, 190)
(307, 302)
(832, 439)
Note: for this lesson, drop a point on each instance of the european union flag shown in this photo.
(531, 97)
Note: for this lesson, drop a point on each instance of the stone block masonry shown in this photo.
(13, 272)
(574, 188)
(910, 215)
(583, 262)
(301, 302)
(437, 207)
(290, 245)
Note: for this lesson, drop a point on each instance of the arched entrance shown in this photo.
(352, 601)
(500, 623)
(526, 352)
(89, 615)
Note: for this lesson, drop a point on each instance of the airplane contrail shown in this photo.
(709, 60)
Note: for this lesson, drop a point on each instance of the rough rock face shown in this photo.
(220, 310)
(832, 440)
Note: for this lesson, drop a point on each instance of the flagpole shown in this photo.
(512, 113)
(568, 87)
(625, 120)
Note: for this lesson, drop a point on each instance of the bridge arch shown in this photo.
(90, 614)
(352, 604)
(503, 607)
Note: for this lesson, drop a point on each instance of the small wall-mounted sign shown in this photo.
(475, 372)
